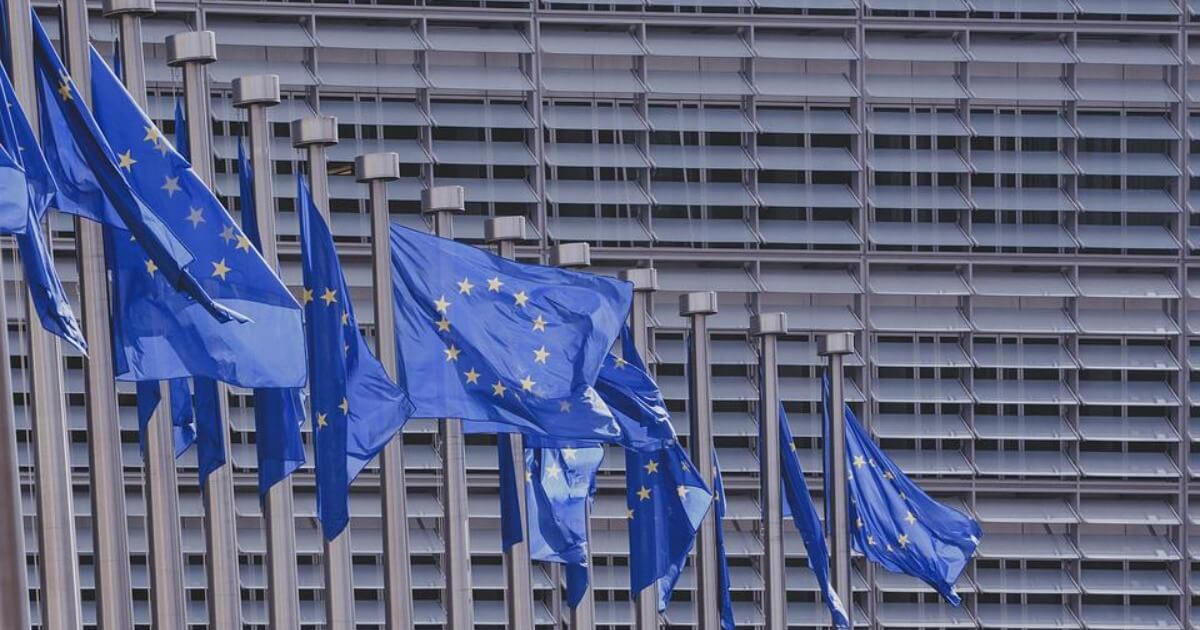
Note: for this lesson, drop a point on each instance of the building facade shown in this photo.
(994, 196)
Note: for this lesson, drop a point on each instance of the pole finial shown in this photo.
(319, 130)
(698, 303)
(256, 89)
(768, 324)
(384, 166)
(191, 47)
(576, 255)
(443, 199)
(642, 278)
(113, 8)
(835, 343)
(497, 229)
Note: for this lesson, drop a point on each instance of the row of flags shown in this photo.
(507, 347)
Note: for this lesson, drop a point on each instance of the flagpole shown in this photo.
(14, 584)
(505, 232)
(167, 600)
(768, 327)
(583, 616)
(698, 306)
(255, 94)
(58, 564)
(443, 202)
(377, 169)
(645, 283)
(193, 51)
(836, 346)
(313, 134)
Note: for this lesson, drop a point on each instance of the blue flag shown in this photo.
(893, 521)
(182, 145)
(559, 488)
(161, 332)
(183, 419)
(356, 408)
(210, 428)
(799, 505)
(21, 198)
(92, 177)
(723, 585)
(487, 339)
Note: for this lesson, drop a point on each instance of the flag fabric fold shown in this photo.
(558, 489)
(356, 408)
(723, 583)
(895, 523)
(183, 419)
(162, 332)
(210, 428)
(491, 340)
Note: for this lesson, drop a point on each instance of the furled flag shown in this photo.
(183, 145)
(893, 521)
(25, 175)
(482, 338)
(559, 487)
(799, 505)
(183, 419)
(94, 181)
(723, 584)
(161, 332)
(356, 408)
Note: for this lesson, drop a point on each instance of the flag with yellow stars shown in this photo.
(895, 523)
(559, 484)
(91, 172)
(160, 331)
(798, 504)
(487, 339)
(355, 407)
(723, 581)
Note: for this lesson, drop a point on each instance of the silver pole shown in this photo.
(59, 569)
(442, 202)
(698, 306)
(583, 616)
(193, 51)
(767, 327)
(314, 134)
(645, 282)
(14, 583)
(255, 94)
(837, 527)
(505, 232)
(377, 169)
(167, 598)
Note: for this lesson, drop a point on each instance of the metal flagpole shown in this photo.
(768, 327)
(645, 282)
(698, 306)
(837, 527)
(505, 232)
(57, 562)
(313, 134)
(443, 202)
(583, 616)
(167, 601)
(193, 50)
(255, 94)
(377, 169)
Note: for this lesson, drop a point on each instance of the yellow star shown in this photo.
(569, 454)
(195, 217)
(243, 243)
(682, 492)
(553, 471)
(871, 462)
(452, 353)
(465, 286)
(345, 318)
(441, 304)
(889, 547)
(321, 422)
(152, 134)
(498, 389)
(651, 467)
(472, 376)
(902, 497)
(227, 234)
(443, 325)
(527, 384)
(628, 514)
(903, 540)
(539, 324)
(171, 185)
(540, 355)
(793, 445)
(887, 474)
(644, 493)
(859, 462)
(858, 523)
(344, 406)
(528, 476)
(163, 147)
(910, 518)
(220, 269)
(64, 89)
(521, 298)
(151, 267)
(494, 284)
(329, 296)
(306, 296)
(871, 540)
(620, 363)
(564, 406)
(127, 160)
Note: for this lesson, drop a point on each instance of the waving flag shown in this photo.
(183, 418)
(559, 488)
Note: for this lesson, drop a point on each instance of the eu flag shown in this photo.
(356, 409)
(487, 339)
(183, 419)
(19, 199)
(210, 428)
(799, 505)
(162, 333)
(559, 487)
(897, 525)
(723, 585)
(182, 145)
